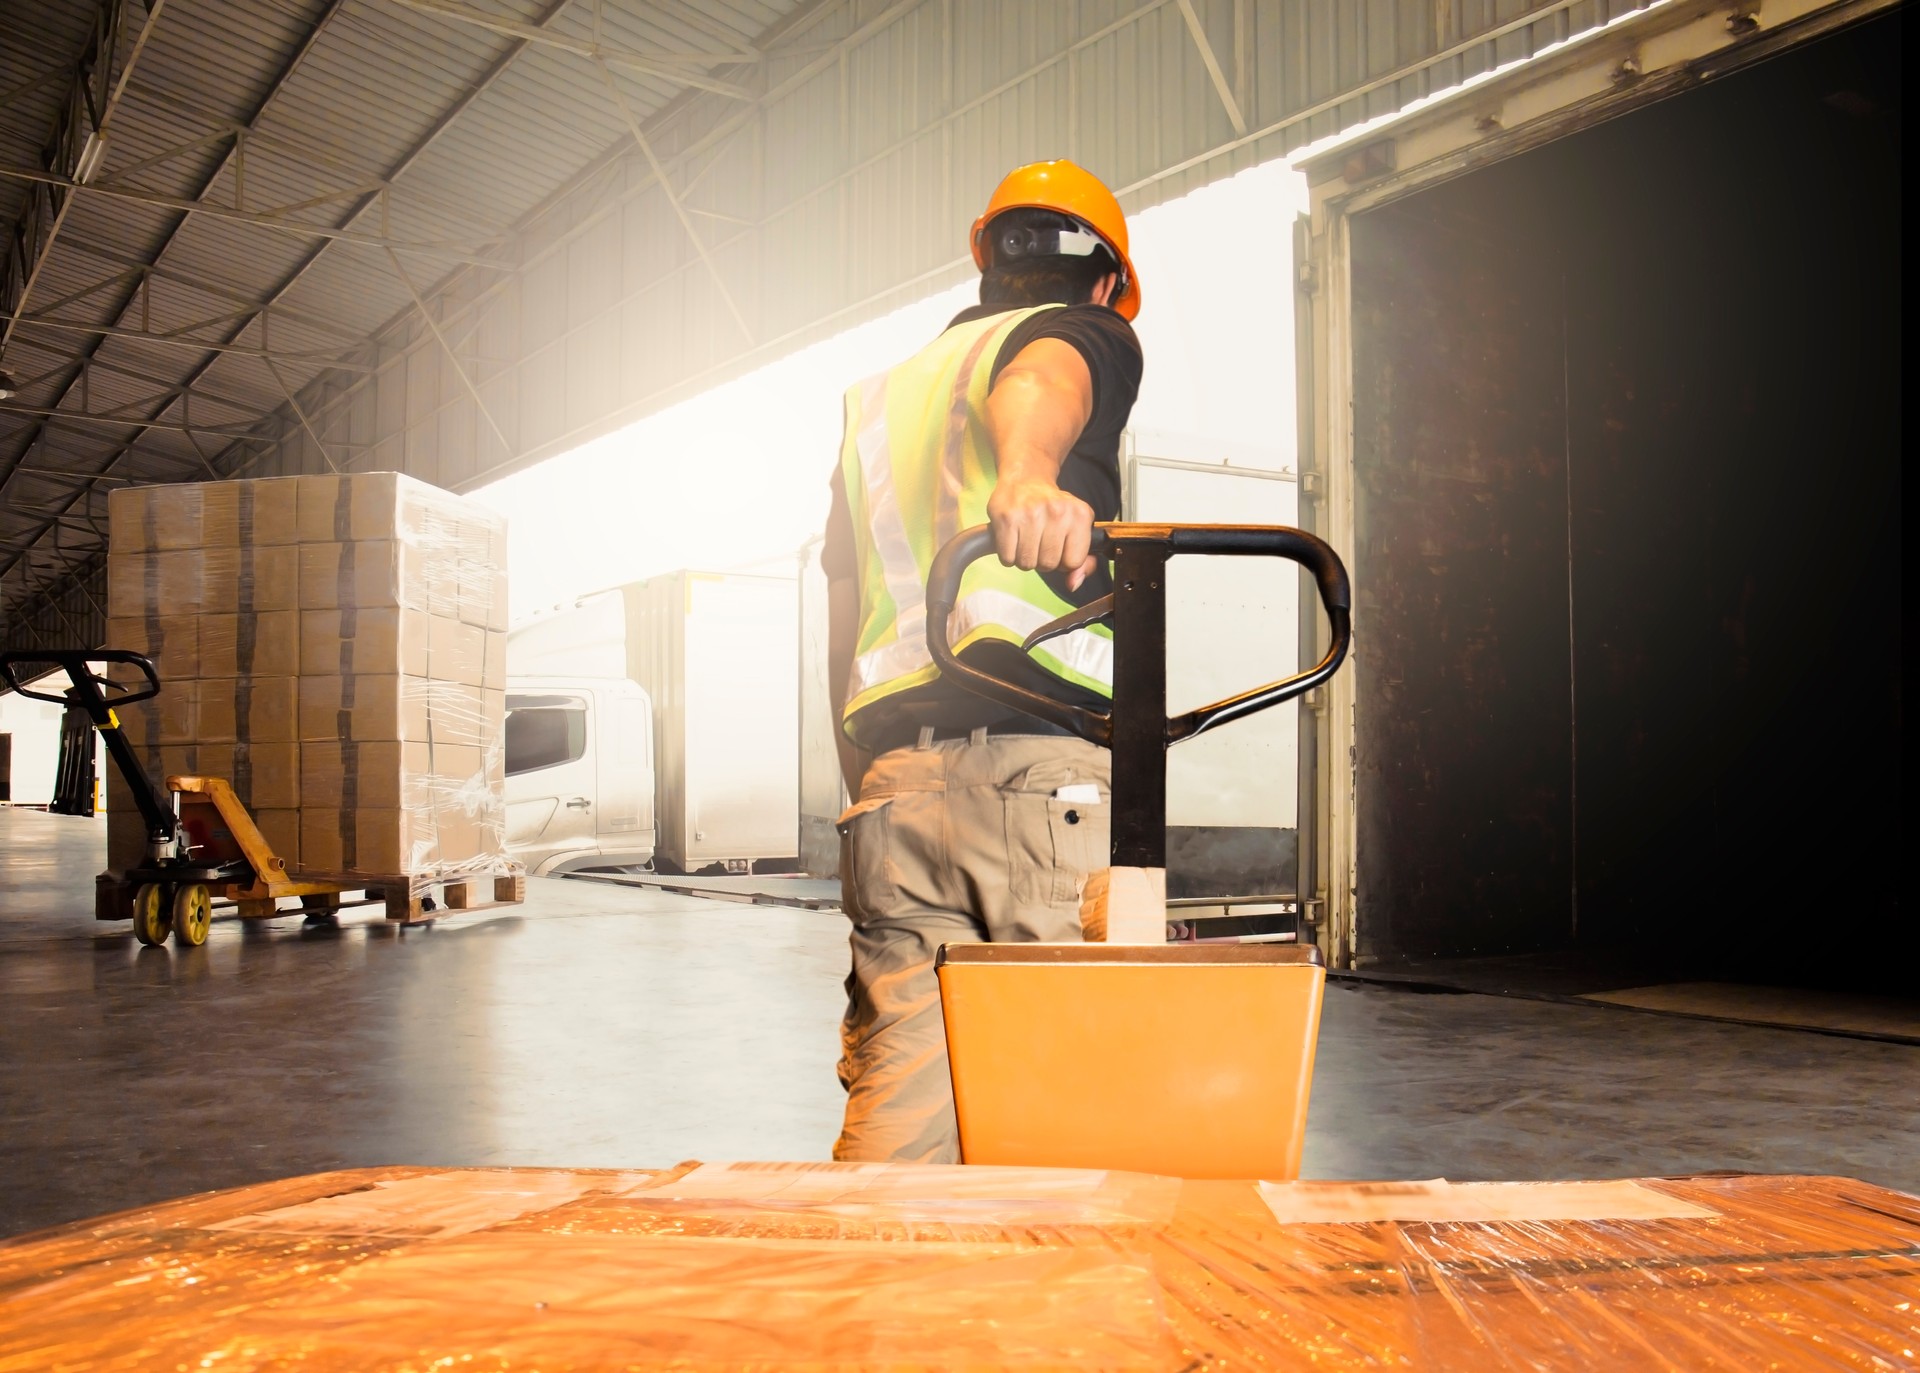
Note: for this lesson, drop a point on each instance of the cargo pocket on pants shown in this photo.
(864, 874)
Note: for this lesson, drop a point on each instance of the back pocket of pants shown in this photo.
(1051, 847)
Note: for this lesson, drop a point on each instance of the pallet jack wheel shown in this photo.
(152, 914)
(192, 914)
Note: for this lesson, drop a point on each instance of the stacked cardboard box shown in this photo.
(335, 647)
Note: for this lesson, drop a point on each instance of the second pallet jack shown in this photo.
(1128, 1052)
(200, 837)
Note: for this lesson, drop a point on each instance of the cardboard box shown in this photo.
(250, 709)
(353, 775)
(171, 641)
(364, 707)
(444, 712)
(335, 647)
(257, 513)
(149, 584)
(265, 644)
(364, 505)
(266, 775)
(353, 575)
(147, 519)
(269, 578)
(337, 642)
(375, 843)
(457, 652)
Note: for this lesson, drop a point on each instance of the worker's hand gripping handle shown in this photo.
(1217, 540)
(97, 694)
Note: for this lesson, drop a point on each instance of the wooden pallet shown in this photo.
(460, 895)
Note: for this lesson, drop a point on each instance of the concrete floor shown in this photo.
(603, 1026)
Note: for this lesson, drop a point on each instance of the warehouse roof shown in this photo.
(208, 203)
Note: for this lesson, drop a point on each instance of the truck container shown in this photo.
(712, 654)
(1600, 397)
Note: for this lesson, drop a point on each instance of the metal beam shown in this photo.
(76, 151)
(505, 443)
(400, 166)
(293, 64)
(679, 69)
(220, 290)
(460, 251)
(302, 359)
(1212, 64)
(55, 415)
(666, 189)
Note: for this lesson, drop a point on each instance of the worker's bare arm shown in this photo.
(843, 630)
(1039, 404)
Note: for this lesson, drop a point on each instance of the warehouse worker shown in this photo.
(974, 822)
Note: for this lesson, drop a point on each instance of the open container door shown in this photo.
(1600, 401)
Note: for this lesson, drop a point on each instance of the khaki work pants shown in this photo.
(960, 841)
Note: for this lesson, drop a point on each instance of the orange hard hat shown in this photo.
(1068, 189)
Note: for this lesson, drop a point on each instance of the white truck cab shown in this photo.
(580, 773)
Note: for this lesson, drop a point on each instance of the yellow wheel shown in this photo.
(152, 914)
(192, 915)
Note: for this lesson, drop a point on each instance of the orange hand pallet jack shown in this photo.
(200, 837)
(1128, 1052)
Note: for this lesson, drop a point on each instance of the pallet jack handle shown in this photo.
(1137, 728)
(1139, 553)
(99, 696)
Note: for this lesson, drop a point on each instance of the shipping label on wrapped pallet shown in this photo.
(335, 647)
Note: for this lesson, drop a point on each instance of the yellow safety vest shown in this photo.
(918, 466)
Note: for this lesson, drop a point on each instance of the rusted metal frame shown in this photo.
(1212, 64)
(304, 359)
(676, 68)
(78, 149)
(666, 188)
(457, 251)
(460, 371)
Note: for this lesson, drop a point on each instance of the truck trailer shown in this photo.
(1600, 397)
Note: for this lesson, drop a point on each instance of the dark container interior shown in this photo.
(1627, 413)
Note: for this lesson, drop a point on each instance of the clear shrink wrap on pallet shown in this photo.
(333, 646)
(902, 1266)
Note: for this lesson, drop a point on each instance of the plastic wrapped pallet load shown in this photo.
(907, 1266)
(333, 646)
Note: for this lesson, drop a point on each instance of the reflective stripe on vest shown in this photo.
(918, 468)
